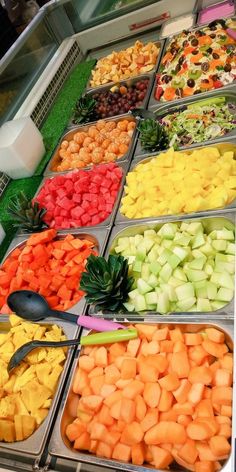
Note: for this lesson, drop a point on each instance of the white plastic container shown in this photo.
(21, 148)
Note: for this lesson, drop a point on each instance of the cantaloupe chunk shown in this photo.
(215, 349)
(170, 382)
(115, 410)
(101, 357)
(133, 347)
(106, 390)
(127, 412)
(112, 437)
(105, 417)
(200, 374)
(166, 345)
(226, 410)
(74, 430)
(215, 335)
(117, 349)
(96, 372)
(193, 339)
(132, 434)
(112, 374)
(161, 334)
(96, 384)
(219, 445)
(181, 393)
(166, 432)
(140, 408)
(113, 398)
(98, 431)
(197, 354)
(176, 334)
(180, 364)
(128, 368)
(161, 457)
(80, 381)
(204, 408)
(121, 452)
(152, 394)
(133, 389)
(222, 378)
(181, 462)
(222, 395)
(166, 400)
(204, 466)
(195, 393)
(198, 431)
(185, 408)
(226, 362)
(149, 420)
(146, 331)
(86, 363)
(83, 442)
(148, 373)
(92, 402)
(137, 454)
(104, 450)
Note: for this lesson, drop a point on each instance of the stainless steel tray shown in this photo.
(230, 96)
(98, 236)
(59, 446)
(31, 448)
(126, 83)
(120, 45)
(227, 312)
(228, 145)
(154, 102)
(55, 159)
(109, 221)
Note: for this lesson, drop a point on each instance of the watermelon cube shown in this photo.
(95, 220)
(85, 219)
(92, 211)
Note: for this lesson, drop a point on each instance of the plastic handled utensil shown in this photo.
(31, 306)
(231, 33)
(142, 114)
(93, 339)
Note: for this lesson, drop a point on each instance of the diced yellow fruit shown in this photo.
(7, 431)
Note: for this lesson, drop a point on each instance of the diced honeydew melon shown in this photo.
(143, 286)
(195, 228)
(184, 226)
(163, 304)
(165, 272)
(167, 243)
(163, 258)
(128, 306)
(145, 271)
(174, 282)
(167, 231)
(197, 263)
(155, 267)
(138, 239)
(170, 291)
(225, 294)
(185, 291)
(131, 259)
(148, 243)
(224, 258)
(219, 245)
(225, 234)
(183, 240)
(203, 304)
(226, 281)
(123, 242)
(196, 275)
(152, 280)
(186, 303)
(198, 240)
(196, 253)
(179, 274)
(211, 290)
(140, 303)
(208, 269)
(119, 249)
(213, 234)
(215, 278)
(230, 248)
(141, 252)
(151, 307)
(150, 233)
(152, 255)
(151, 298)
(192, 309)
(200, 289)
(181, 252)
(137, 266)
(224, 267)
(207, 249)
(217, 304)
(174, 260)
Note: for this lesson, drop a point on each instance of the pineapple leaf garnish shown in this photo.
(106, 283)
(27, 216)
(153, 136)
(84, 110)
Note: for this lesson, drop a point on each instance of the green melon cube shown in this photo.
(225, 294)
(179, 274)
(230, 248)
(203, 304)
(149, 233)
(167, 231)
(197, 254)
(201, 291)
(196, 275)
(163, 258)
(145, 271)
(225, 234)
(198, 240)
(224, 267)
(197, 263)
(211, 290)
(186, 304)
(174, 261)
(174, 282)
(215, 278)
(151, 298)
(167, 243)
(217, 304)
(183, 240)
(152, 280)
(195, 228)
(141, 252)
(163, 304)
(155, 267)
(140, 303)
(170, 291)
(219, 245)
(129, 306)
(207, 249)
(137, 266)
(165, 272)
(133, 294)
(226, 281)
(123, 242)
(180, 252)
(152, 255)
(185, 291)
(143, 286)
(208, 269)
(137, 239)
(213, 234)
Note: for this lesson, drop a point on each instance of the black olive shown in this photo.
(215, 55)
(205, 66)
(181, 59)
(195, 52)
(166, 79)
(194, 42)
(227, 68)
(213, 28)
(209, 50)
(205, 81)
(178, 68)
(179, 92)
(185, 43)
(196, 92)
(191, 83)
(215, 77)
(212, 35)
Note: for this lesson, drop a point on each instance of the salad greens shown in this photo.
(199, 123)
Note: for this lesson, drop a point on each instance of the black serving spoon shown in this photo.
(97, 338)
(142, 114)
(31, 306)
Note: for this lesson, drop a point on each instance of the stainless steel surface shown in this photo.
(118, 46)
(55, 159)
(97, 236)
(33, 446)
(153, 101)
(230, 97)
(229, 145)
(109, 221)
(126, 83)
(59, 446)
(227, 220)
(171, 20)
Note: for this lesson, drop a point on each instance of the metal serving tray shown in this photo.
(99, 236)
(30, 449)
(230, 97)
(121, 45)
(222, 146)
(109, 221)
(59, 446)
(126, 83)
(227, 312)
(55, 159)
(154, 102)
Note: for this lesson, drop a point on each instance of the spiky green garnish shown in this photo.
(27, 216)
(84, 110)
(153, 136)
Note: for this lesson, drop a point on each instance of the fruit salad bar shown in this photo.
(133, 222)
(197, 61)
(103, 141)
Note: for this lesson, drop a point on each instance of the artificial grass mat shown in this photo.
(52, 130)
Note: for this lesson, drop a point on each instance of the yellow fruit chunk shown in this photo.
(180, 182)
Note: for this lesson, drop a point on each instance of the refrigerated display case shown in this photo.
(62, 35)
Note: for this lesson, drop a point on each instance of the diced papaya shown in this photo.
(132, 434)
(161, 457)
